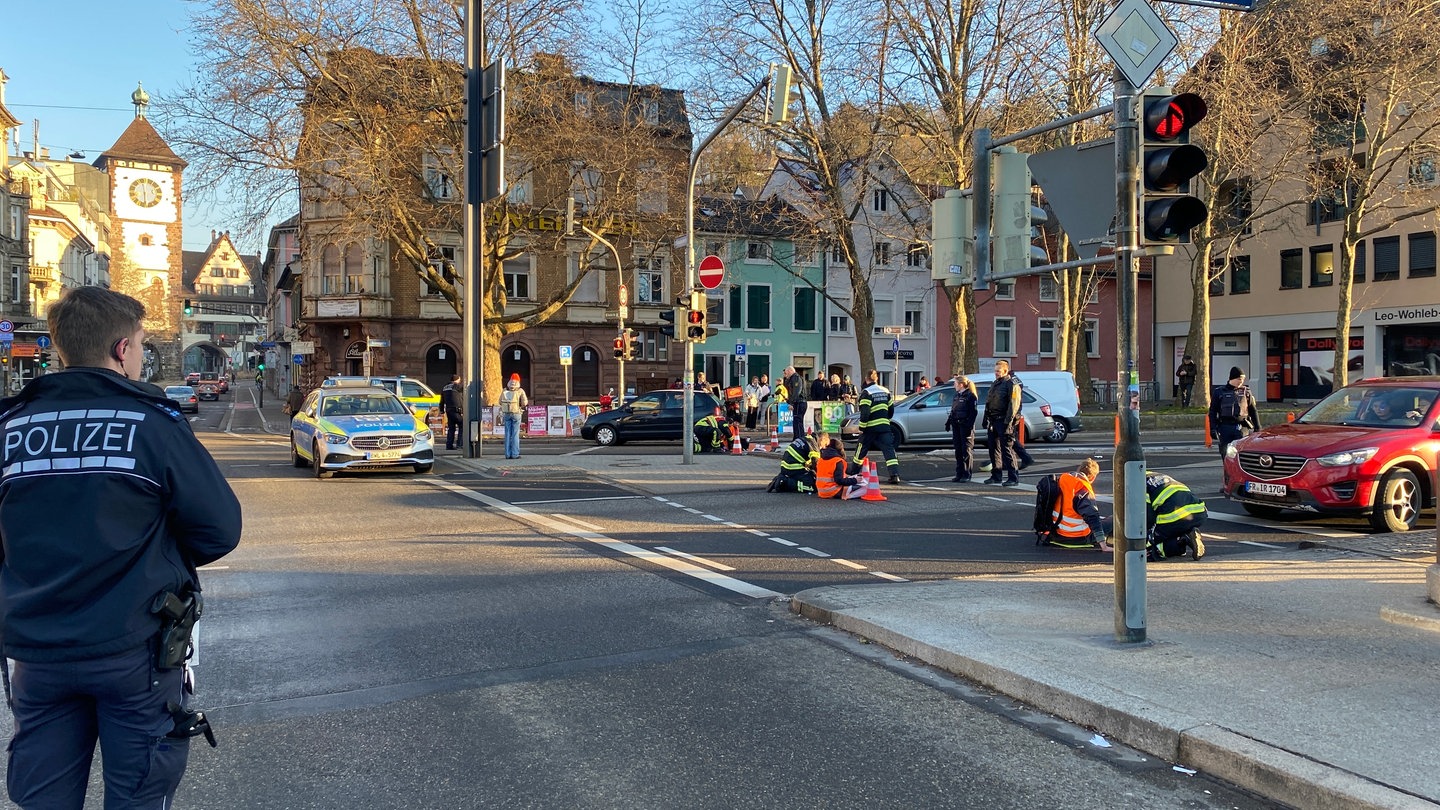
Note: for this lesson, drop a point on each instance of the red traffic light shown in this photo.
(694, 316)
(1168, 117)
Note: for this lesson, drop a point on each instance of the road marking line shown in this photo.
(661, 498)
(817, 552)
(1252, 543)
(782, 541)
(692, 510)
(676, 505)
(712, 517)
(1210, 536)
(890, 577)
(649, 555)
(993, 498)
(1316, 531)
(582, 451)
(692, 558)
(732, 524)
(848, 564)
(583, 500)
(758, 533)
(578, 522)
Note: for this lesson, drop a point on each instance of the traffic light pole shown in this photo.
(620, 273)
(1129, 459)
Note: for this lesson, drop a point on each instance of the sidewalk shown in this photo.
(1311, 678)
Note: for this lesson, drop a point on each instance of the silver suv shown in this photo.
(920, 418)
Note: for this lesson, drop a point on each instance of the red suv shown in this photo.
(1368, 449)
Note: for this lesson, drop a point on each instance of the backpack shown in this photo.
(1231, 403)
(1047, 492)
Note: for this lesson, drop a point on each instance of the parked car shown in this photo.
(1057, 388)
(920, 418)
(341, 427)
(656, 415)
(184, 397)
(1368, 449)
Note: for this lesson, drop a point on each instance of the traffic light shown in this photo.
(1167, 163)
(619, 344)
(952, 231)
(782, 86)
(634, 346)
(1013, 217)
(696, 326)
(44, 358)
(260, 366)
(189, 310)
(671, 318)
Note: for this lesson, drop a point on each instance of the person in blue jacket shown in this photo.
(108, 504)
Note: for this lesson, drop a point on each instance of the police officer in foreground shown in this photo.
(1001, 422)
(108, 503)
(876, 404)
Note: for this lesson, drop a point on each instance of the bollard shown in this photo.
(1117, 430)
(1209, 440)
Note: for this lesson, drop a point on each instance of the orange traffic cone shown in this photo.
(735, 448)
(872, 485)
(774, 439)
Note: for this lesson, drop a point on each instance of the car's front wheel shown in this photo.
(1397, 502)
(1058, 433)
(320, 471)
(606, 435)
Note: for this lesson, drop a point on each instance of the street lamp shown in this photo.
(624, 304)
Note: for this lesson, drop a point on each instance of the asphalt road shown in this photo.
(401, 641)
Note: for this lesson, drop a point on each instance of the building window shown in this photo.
(1217, 277)
(718, 308)
(1049, 288)
(837, 253)
(14, 232)
(917, 255)
(1360, 260)
(650, 279)
(839, 324)
(354, 265)
(912, 379)
(520, 182)
(16, 275)
(1237, 205)
(650, 197)
(804, 253)
(715, 248)
(1291, 270)
(1387, 258)
(913, 318)
(332, 281)
(439, 179)
(654, 347)
(1047, 337)
(1422, 254)
(146, 240)
(1004, 337)
(1004, 289)
(879, 200)
(584, 186)
(442, 259)
(884, 309)
(805, 308)
(650, 111)
(882, 254)
(757, 251)
(757, 306)
(1092, 337)
(517, 277)
(217, 272)
(588, 291)
(734, 310)
(1239, 275)
(1422, 169)
(1322, 265)
(584, 104)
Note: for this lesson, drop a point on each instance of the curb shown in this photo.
(1254, 765)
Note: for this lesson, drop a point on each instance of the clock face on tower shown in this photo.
(145, 192)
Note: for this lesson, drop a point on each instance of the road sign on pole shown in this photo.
(739, 349)
(1079, 184)
(712, 272)
(565, 355)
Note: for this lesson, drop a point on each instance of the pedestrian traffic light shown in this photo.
(671, 318)
(1168, 161)
(619, 344)
(782, 85)
(696, 326)
(189, 310)
(634, 346)
(1014, 218)
(952, 232)
(44, 358)
(260, 366)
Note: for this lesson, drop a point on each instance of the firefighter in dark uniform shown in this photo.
(797, 467)
(1174, 515)
(98, 597)
(708, 435)
(875, 431)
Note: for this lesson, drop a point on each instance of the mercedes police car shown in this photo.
(346, 426)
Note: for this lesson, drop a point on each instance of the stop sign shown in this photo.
(712, 272)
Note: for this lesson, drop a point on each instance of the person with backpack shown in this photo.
(1232, 410)
(876, 405)
(1074, 520)
(964, 410)
(795, 391)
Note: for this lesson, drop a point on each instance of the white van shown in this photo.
(1059, 388)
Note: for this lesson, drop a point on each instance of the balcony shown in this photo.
(43, 274)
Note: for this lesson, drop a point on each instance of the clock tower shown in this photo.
(145, 232)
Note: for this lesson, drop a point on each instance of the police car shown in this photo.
(411, 391)
(351, 425)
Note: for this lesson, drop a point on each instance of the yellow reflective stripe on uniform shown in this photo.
(1183, 512)
(1170, 490)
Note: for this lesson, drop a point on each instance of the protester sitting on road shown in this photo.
(830, 478)
(797, 467)
(1078, 523)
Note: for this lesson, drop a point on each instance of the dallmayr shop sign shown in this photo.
(1406, 314)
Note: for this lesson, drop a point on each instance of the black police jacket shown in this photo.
(107, 500)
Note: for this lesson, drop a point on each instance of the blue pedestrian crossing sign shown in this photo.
(895, 344)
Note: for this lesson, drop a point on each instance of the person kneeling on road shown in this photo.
(1078, 523)
(709, 436)
(1174, 514)
(797, 467)
(830, 478)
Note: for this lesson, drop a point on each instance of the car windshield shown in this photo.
(1372, 406)
(360, 404)
(180, 390)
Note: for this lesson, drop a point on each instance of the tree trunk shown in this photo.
(1345, 293)
(1197, 341)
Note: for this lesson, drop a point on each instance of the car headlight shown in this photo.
(1231, 451)
(336, 438)
(424, 436)
(1345, 458)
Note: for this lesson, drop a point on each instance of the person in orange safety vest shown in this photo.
(830, 478)
(1078, 523)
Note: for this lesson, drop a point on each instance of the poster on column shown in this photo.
(783, 418)
(490, 422)
(559, 425)
(535, 416)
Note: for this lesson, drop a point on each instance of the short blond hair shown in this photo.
(1089, 468)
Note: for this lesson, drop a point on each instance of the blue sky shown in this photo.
(74, 66)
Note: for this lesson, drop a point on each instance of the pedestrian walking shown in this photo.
(876, 403)
(294, 400)
(1186, 377)
(752, 403)
(1001, 420)
(513, 403)
(1232, 410)
(452, 398)
(99, 592)
(795, 388)
(765, 394)
(964, 410)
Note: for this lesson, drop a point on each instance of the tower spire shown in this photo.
(140, 99)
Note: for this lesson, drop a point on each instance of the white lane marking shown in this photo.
(712, 517)
(676, 505)
(782, 541)
(692, 558)
(890, 577)
(758, 533)
(732, 524)
(1334, 534)
(993, 498)
(1209, 536)
(680, 566)
(817, 552)
(582, 451)
(848, 564)
(692, 510)
(661, 498)
(214, 568)
(237, 466)
(578, 522)
(583, 500)
(1247, 542)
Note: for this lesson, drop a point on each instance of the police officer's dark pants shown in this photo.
(1002, 452)
(1227, 433)
(962, 438)
(452, 430)
(798, 416)
(882, 439)
(62, 708)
